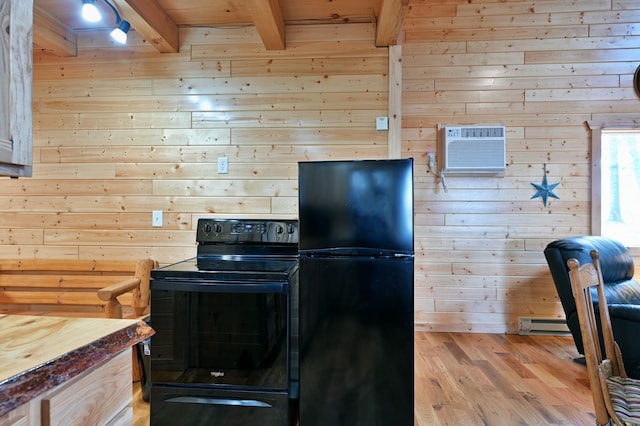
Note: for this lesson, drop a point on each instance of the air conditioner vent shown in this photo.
(474, 149)
(479, 132)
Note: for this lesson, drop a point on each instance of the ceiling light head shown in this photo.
(120, 33)
(90, 12)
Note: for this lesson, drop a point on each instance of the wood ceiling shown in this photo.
(57, 22)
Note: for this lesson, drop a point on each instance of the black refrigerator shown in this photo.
(356, 293)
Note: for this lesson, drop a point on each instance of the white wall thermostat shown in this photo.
(382, 123)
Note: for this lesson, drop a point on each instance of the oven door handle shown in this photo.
(219, 401)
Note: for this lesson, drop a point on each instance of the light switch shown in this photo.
(156, 218)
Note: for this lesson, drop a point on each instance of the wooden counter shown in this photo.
(39, 356)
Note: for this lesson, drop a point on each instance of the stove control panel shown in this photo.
(249, 228)
(213, 231)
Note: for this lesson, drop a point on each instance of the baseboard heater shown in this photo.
(544, 326)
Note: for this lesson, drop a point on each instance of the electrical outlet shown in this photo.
(156, 218)
(223, 165)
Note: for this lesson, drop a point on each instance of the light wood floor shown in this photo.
(489, 379)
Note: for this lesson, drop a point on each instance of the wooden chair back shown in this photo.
(586, 279)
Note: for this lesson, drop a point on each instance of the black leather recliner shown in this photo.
(622, 291)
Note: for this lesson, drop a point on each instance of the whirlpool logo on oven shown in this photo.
(216, 374)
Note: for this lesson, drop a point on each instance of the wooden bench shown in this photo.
(75, 288)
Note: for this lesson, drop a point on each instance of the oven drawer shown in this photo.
(190, 406)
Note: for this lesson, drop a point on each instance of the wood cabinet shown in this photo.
(16, 126)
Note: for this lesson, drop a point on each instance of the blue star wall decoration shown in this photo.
(545, 190)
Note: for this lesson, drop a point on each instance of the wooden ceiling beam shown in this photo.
(151, 22)
(389, 25)
(267, 17)
(53, 36)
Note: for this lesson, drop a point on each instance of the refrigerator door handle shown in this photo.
(349, 253)
(218, 401)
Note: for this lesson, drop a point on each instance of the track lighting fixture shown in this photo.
(91, 13)
(120, 34)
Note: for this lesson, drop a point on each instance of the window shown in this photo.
(615, 179)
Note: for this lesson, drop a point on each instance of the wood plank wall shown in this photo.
(123, 131)
(542, 68)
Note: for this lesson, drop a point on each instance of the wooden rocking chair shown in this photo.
(615, 396)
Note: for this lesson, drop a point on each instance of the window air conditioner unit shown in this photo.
(474, 149)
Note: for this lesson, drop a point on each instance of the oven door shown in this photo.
(216, 334)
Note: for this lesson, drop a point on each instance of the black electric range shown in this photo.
(225, 349)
